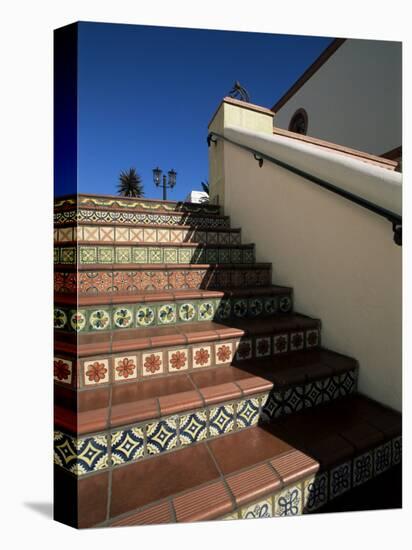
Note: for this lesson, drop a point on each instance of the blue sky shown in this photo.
(146, 95)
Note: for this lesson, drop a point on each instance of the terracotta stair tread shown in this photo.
(165, 395)
(213, 478)
(172, 295)
(180, 334)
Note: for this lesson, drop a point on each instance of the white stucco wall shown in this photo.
(355, 98)
(339, 258)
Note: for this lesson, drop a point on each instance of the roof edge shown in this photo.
(310, 71)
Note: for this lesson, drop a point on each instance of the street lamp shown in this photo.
(159, 181)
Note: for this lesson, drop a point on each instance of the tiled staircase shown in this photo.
(186, 388)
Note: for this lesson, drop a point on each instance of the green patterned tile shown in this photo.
(140, 255)
(105, 255)
(88, 255)
(170, 256)
(123, 255)
(155, 255)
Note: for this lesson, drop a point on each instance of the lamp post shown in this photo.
(159, 181)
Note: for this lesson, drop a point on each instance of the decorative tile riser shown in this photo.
(141, 254)
(282, 402)
(139, 218)
(314, 492)
(137, 365)
(113, 202)
(147, 235)
(126, 316)
(141, 441)
(121, 282)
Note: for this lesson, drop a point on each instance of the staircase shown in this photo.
(186, 386)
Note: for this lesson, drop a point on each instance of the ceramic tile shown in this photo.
(80, 456)
(99, 319)
(123, 317)
(221, 420)
(150, 235)
(312, 338)
(178, 360)
(145, 316)
(152, 363)
(244, 349)
(187, 312)
(136, 234)
(340, 479)
(285, 304)
(193, 427)
(161, 436)
(247, 412)
(206, 311)
(255, 307)
(315, 492)
(258, 510)
(396, 450)
(96, 372)
(63, 370)
(297, 341)
(240, 308)
(223, 353)
(263, 347)
(224, 309)
(382, 458)
(125, 367)
(362, 468)
(280, 343)
(166, 314)
(202, 356)
(122, 234)
(288, 502)
(127, 445)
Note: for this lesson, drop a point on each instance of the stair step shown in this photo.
(137, 212)
(75, 232)
(155, 253)
(281, 469)
(163, 309)
(123, 278)
(99, 408)
(198, 345)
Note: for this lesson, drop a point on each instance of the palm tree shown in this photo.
(205, 187)
(130, 184)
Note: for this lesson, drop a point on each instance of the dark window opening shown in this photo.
(299, 122)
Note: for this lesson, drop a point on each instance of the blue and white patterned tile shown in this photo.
(247, 412)
(314, 393)
(80, 456)
(362, 468)
(340, 479)
(288, 502)
(382, 458)
(315, 492)
(347, 382)
(127, 445)
(293, 399)
(221, 420)
(273, 408)
(161, 436)
(331, 389)
(396, 450)
(193, 427)
(258, 510)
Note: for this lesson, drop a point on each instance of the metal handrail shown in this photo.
(395, 219)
